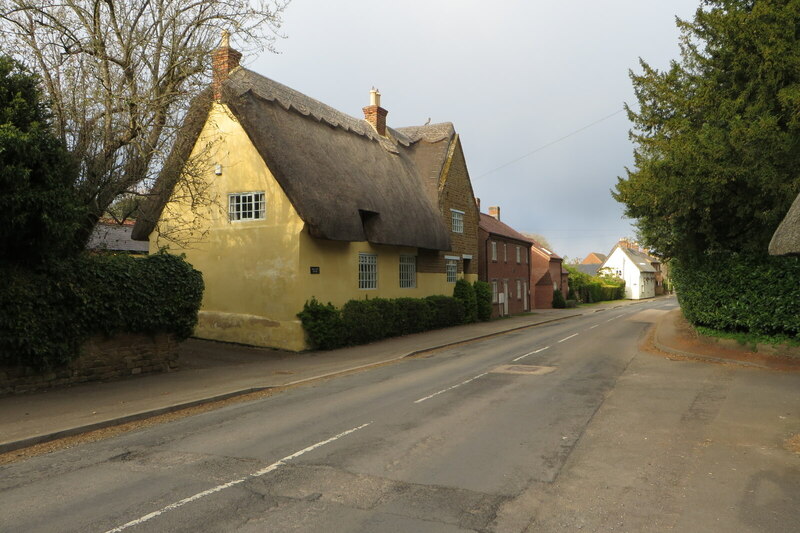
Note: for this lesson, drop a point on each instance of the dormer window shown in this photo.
(457, 219)
(246, 206)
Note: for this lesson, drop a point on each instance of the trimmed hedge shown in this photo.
(465, 292)
(483, 295)
(590, 289)
(741, 294)
(46, 314)
(364, 321)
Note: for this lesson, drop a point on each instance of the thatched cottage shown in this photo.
(305, 201)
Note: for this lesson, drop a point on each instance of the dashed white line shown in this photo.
(594, 326)
(613, 318)
(449, 388)
(274, 466)
(568, 338)
(530, 353)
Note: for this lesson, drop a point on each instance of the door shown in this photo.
(526, 298)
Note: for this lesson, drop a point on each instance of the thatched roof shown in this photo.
(786, 239)
(346, 182)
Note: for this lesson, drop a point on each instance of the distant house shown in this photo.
(589, 269)
(109, 236)
(786, 239)
(594, 258)
(635, 267)
(504, 263)
(547, 275)
(311, 203)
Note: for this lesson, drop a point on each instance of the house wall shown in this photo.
(250, 268)
(455, 192)
(638, 284)
(506, 268)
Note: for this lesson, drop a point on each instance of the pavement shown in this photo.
(212, 371)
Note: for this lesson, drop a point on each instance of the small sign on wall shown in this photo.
(315, 270)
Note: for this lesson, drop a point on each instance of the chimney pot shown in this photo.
(494, 211)
(375, 114)
(223, 60)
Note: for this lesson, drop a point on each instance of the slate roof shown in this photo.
(344, 180)
(115, 238)
(491, 225)
(642, 261)
(786, 239)
(588, 268)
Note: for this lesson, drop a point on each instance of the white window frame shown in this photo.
(519, 254)
(519, 289)
(494, 250)
(408, 271)
(505, 252)
(457, 220)
(494, 291)
(451, 270)
(367, 271)
(246, 206)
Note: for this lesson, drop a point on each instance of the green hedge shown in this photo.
(465, 292)
(364, 321)
(46, 314)
(741, 294)
(483, 295)
(590, 289)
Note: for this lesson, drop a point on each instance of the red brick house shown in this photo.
(504, 263)
(547, 275)
(594, 258)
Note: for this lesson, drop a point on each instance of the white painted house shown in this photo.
(635, 268)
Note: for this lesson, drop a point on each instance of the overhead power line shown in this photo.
(551, 143)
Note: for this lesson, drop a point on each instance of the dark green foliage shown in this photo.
(39, 211)
(572, 304)
(591, 289)
(465, 292)
(717, 157)
(323, 323)
(364, 321)
(558, 300)
(46, 313)
(741, 294)
(483, 295)
(571, 294)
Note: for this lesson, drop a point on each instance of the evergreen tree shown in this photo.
(717, 135)
(39, 213)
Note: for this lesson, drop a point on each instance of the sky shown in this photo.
(514, 77)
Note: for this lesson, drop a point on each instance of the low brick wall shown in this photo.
(102, 359)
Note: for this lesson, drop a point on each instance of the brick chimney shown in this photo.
(494, 211)
(375, 114)
(478, 203)
(223, 60)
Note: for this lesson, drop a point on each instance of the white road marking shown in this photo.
(594, 326)
(613, 318)
(274, 466)
(568, 338)
(530, 353)
(449, 388)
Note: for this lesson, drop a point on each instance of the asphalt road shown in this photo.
(555, 428)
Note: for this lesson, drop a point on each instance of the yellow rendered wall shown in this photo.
(250, 268)
(337, 281)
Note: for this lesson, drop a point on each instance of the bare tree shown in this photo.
(119, 75)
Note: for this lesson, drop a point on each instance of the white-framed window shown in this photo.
(408, 271)
(457, 219)
(494, 291)
(519, 255)
(451, 267)
(246, 206)
(519, 288)
(367, 271)
(494, 250)
(527, 253)
(505, 252)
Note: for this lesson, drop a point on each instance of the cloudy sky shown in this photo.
(515, 77)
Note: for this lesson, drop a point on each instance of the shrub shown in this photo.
(735, 293)
(47, 313)
(558, 300)
(412, 314)
(323, 323)
(483, 295)
(445, 311)
(465, 292)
